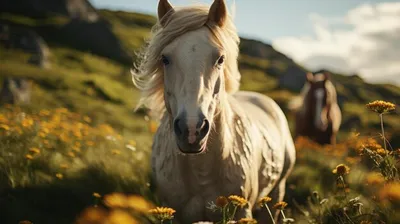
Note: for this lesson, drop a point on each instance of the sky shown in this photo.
(346, 36)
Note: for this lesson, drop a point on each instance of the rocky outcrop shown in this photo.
(83, 29)
(15, 91)
(12, 37)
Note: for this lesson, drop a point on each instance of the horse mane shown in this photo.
(149, 78)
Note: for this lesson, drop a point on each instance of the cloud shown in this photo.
(366, 40)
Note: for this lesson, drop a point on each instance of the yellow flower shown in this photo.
(90, 143)
(115, 152)
(380, 106)
(153, 126)
(391, 191)
(138, 203)
(92, 215)
(375, 178)
(221, 201)
(264, 200)
(115, 200)
(162, 213)
(87, 119)
(247, 221)
(64, 166)
(237, 200)
(382, 152)
(341, 169)
(120, 217)
(59, 176)
(34, 150)
(280, 205)
(28, 156)
(5, 127)
(27, 122)
(44, 113)
(96, 195)
(71, 154)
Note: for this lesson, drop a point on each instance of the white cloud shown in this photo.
(366, 41)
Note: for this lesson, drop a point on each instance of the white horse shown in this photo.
(213, 139)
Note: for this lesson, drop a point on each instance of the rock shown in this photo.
(15, 91)
(13, 37)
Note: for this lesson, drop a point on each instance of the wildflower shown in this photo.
(5, 127)
(341, 170)
(237, 200)
(153, 126)
(115, 152)
(381, 107)
(44, 113)
(391, 192)
(119, 216)
(87, 119)
(162, 213)
(247, 221)
(34, 150)
(115, 200)
(96, 195)
(264, 200)
(92, 215)
(382, 152)
(59, 176)
(64, 166)
(221, 201)
(27, 122)
(280, 205)
(90, 143)
(71, 154)
(28, 156)
(375, 178)
(138, 203)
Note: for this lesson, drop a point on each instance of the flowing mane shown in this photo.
(149, 78)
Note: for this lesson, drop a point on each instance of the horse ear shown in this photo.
(218, 13)
(164, 11)
(310, 77)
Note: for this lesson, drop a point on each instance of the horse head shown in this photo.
(192, 59)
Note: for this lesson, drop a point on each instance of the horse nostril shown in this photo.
(204, 128)
(177, 129)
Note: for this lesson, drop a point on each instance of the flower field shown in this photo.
(58, 165)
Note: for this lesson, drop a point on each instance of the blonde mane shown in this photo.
(149, 78)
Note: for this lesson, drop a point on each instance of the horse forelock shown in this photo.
(149, 78)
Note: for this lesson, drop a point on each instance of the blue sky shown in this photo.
(315, 33)
(260, 19)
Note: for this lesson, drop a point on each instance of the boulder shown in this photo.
(15, 91)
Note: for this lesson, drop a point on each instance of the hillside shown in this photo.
(119, 34)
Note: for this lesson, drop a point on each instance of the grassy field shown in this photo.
(78, 151)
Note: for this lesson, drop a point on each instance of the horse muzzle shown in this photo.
(191, 136)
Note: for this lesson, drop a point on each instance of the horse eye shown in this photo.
(221, 60)
(164, 60)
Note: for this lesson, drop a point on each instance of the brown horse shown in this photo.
(318, 115)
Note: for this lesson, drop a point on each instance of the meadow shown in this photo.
(79, 154)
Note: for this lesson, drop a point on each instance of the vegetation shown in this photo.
(79, 154)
